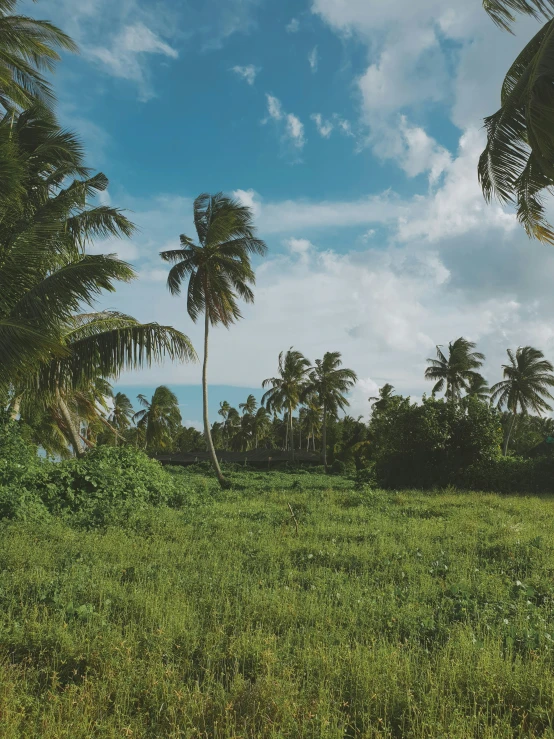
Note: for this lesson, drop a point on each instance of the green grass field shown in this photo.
(386, 615)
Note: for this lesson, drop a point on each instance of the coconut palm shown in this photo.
(382, 402)
(121, 414)
(28, 47)
(286, 389)
(327, 384)
(250, 405)
(517, 163)
(260, 425)
(478, 388)
(528, 378)
(160, 418)
(310, 417)
(100, 345)
(452, 373)
(46, 276)
(218, 271)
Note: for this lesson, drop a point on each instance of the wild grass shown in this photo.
(386, 615)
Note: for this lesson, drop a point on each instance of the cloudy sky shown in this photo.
(353, 129)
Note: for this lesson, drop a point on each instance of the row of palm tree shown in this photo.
(525, 388)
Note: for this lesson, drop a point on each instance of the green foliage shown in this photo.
(426, 445)
(510, 475)
(106, 485)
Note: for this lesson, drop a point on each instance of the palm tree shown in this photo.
(311, 420)
(455, 371)
(28, 47)
(46, 275)
(516, 165)
(100, 345)
(121, 414)
(286, 389)
(260, 425)
(328, 384)
(250, 405)
(219, 272)
(160, 418)
(528, 378)
(478, 388)
(382, 402)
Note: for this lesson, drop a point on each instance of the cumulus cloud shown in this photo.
(274, 107)
(293, 26)
(248, 73)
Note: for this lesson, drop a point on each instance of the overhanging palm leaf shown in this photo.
(517, 165)
(28, 47)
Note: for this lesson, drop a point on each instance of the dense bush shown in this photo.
(427, 445)
(509, 475)
(106, 485)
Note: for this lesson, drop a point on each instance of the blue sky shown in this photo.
(353, 129)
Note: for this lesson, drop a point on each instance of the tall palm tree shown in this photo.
(160, 418)
(286, 389)
(453, 372)
(382, 402)
(219, 272)
(250, 406)
(28, 47)
(310, 417)
(328, 383)
(528, 378)
(517, 163)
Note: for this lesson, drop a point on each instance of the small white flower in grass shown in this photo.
(519, 583)
(548, 636)
(529, 604)
(506, 621)
(310, 556)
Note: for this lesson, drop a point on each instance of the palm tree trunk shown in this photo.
(15, 407)
(73, 432)
(507, 439)
(207, 432)
(291, 434)
(324, 438)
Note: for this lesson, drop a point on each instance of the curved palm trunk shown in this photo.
(74, 435)
(324, 438)
(207, 430)
(507, 439)
(15, 407)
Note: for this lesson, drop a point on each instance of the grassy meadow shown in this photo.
(372, 614)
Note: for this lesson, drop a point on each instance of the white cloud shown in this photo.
(295, 130)
(274, 107)
(123, 58)
(293, 26)
(324, 128)
(247, 73)
(313, 59)
(302, 248)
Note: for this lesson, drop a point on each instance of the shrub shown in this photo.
(105, 486)
(338, 467)
(427, 445)
(17, 456)
(509, 475)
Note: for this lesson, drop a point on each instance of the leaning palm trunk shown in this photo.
(510, 429)
(324, 438)
(74, 435)
(207, 431)
(15, 407)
